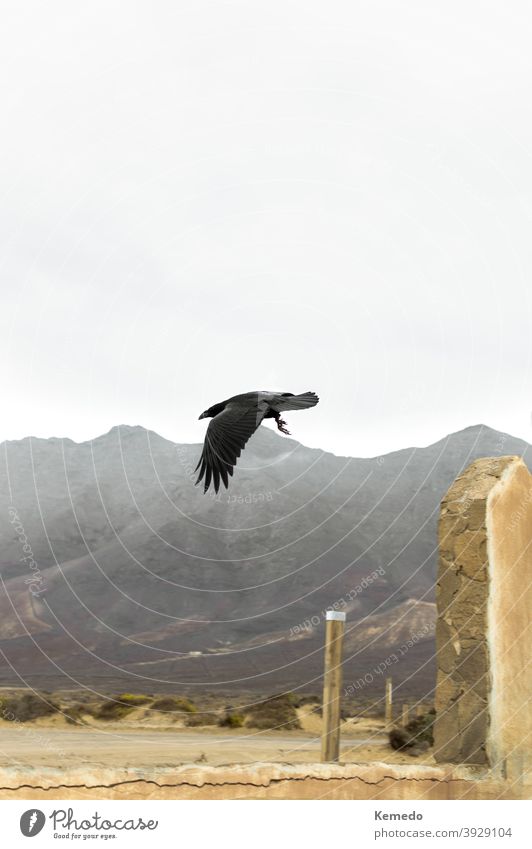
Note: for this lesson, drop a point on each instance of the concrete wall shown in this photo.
(261, 781)
(509, 533)
(484, 598)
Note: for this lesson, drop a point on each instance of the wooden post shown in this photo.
(388, 715)
(404, 716)
(332, 682)
(420, 710)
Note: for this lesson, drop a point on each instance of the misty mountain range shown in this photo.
(117, 571)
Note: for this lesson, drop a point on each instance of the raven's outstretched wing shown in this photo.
(226, 436)
(286, 401)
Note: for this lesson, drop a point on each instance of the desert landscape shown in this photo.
(74, 730)
(137, 632)
(118, 574)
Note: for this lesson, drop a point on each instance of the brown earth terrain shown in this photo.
(118, 573)
(149, 738)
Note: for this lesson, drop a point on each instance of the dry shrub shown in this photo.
(173, 704)
(27, 706)
(134, 699)
(275, 712)
(112, 710)
(232, 720)
(120, 706)
(75, 713)
(416, 737)
(299, 700)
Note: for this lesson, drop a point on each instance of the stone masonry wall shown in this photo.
(484, 610)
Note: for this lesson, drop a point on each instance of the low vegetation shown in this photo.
(232, 720)
(75, 714)
(173, 704)
(85, 707)
(135, 700)
(276, 712)
(120, 706)
(24, 707)
(416, 737)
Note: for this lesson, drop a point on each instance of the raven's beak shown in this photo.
(201, 417)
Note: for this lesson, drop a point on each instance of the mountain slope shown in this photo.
(136, 567)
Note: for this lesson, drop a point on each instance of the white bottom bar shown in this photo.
(194, 824)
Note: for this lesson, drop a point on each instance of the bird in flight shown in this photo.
(234, 421)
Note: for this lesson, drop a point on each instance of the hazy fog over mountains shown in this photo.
(132, 574)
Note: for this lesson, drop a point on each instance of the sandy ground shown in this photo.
(52, 743)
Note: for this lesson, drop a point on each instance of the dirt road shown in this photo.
(35, 745)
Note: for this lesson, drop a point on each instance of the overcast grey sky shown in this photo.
(203, 198)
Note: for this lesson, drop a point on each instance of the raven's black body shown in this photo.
(234, 421)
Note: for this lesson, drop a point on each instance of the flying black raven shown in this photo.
(234, 421)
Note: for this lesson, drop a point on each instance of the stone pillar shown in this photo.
(484, 599)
